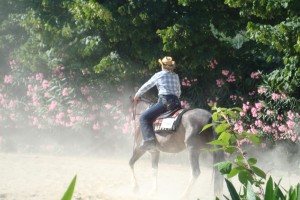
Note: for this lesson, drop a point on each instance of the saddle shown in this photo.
(168, 121)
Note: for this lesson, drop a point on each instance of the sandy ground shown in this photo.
(46, 177)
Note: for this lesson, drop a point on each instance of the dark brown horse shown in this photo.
(187, 136)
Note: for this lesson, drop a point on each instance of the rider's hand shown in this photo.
(136, 99)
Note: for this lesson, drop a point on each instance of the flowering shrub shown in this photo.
(61, 98)
(270, 117)
(266, 110)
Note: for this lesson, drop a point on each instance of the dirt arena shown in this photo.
(34, 167)
(46, 177)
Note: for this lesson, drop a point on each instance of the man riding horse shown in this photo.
(168, 85)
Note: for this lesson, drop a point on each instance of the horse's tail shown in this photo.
(218, 156)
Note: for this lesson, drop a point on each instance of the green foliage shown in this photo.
(69, 192)
(277, 25)
(249, 175)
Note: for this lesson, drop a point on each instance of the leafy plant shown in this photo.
(69, 192)
(249, 175)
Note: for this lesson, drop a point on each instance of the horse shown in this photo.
(188, 136)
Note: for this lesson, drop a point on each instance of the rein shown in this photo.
(134, 105)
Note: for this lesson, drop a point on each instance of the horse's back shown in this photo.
(187, 132)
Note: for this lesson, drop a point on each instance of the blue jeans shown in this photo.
(149, 116)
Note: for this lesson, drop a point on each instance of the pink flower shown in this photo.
(35, 121)
(253, 129)
(212, 64)
(107, 106)
(95, 107)
(255, 75)
(233, 97)
(262, 90)
(258, 123)
(185, 104)
(270, 112)
(239, 127)
(47, 95)
(225, 72)
(60, 115)
(90, 99)
(279, 117)
(96, 126)
(275, 96)
(267, 129)
(8, 79)
(246, 107)
(52, 106)
(220, 82)
(65, 92)
(85, 90)
(39, 77)
(251, 93)
(45, 84)
(11, 103)
(258, 106)
(290, 115)
(254, 112)
(282, 128)
(290, 124)
(231, 78)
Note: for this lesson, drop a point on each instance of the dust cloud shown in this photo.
(39, 165)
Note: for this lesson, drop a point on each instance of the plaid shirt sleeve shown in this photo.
(148, 85)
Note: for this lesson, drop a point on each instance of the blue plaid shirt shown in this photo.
(166, 82)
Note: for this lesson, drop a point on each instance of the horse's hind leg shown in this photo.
(155, 159)
(137, 153)
(194, 162)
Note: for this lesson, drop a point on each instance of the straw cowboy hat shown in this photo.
(167, 62)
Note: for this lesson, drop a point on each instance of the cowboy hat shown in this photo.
(167, 60)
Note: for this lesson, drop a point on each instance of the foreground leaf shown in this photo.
(233, 193)
(269, 189)
(69, 193)
(250, 192)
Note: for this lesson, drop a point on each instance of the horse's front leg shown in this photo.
(194, 162)
(137, 153)
(155, 158)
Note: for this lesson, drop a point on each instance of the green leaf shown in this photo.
(69, 193)
(215, 116)
(230, 149)
(206, 127)
(233, 193)
(225, 137)
(250, 192)
(245, 176)
(234, 172)
(254, 138)
(269, 194)
(221, 128)
(252, 161)
(224, 167)
(278, 193)
(218, 142)
(259, 172)
(298, 190)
